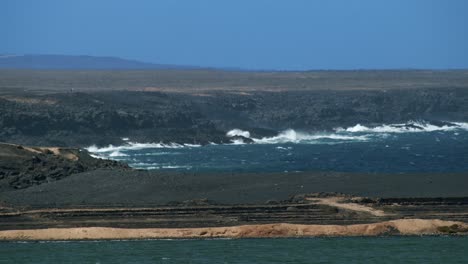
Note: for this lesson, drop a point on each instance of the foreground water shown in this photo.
(412, 147)
(312, 250)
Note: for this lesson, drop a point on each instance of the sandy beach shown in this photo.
(396, 227)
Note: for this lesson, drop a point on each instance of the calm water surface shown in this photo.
(311, 250)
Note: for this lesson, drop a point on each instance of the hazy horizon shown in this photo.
(188, 67)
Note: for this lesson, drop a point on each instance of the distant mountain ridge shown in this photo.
(33, 61)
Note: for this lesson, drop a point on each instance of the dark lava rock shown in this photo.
(105, 117)
(22, 167)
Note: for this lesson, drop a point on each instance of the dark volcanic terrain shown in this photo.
(81, 108)
(115, 187)
(22, 167)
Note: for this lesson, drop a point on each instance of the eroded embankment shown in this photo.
(395, 227)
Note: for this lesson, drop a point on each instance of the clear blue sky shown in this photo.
(253, 34)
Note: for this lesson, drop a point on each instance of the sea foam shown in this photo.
(117, 154)
(357, 133)
(138, 146)
(293, 136)
(238, 132)
(410, 127)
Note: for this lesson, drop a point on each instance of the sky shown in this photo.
(248, 34)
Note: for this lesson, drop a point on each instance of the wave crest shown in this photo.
(410, 127)
(350, 134)
(237, 132)
(138, 146)
(293, 136)
(340, 135)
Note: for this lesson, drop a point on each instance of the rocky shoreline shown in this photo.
(22, 167)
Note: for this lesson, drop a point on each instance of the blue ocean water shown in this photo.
(309, 250)
(396, 148)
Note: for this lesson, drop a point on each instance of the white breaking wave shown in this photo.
(463, 126)
(117, 154)
(157, 166)
(138, 146)
(176, 167)
(96, 156)
(192, 145)
(357, 133)
(144, 164)
(157, 153)
(346, 134)
(238, 132)
(237, 142)
(410, 127)
(168, 167)
(292, 136)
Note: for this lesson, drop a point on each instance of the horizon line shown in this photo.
(199, 67)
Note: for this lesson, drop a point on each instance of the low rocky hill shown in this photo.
(22, 167)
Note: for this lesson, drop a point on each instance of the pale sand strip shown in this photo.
(402, 226)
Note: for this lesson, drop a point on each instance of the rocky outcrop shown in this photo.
(22, 167)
